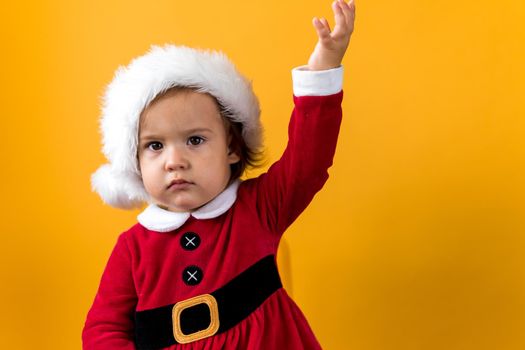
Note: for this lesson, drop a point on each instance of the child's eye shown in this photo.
(154, 146)
(195, 140)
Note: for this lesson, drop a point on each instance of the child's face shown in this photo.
(183, 150)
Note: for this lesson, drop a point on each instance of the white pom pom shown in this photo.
(115, 188)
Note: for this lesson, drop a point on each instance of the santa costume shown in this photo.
(207, 279)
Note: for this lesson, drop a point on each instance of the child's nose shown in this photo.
(176, 159)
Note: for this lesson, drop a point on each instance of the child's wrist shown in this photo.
(322, 67)
(316, 65)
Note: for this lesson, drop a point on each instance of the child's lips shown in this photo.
(178, 184)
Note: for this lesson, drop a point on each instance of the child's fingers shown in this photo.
(344, 19)
(340, 19)
(326, 25)
(348, 11)
(321, 27)
(343, 28)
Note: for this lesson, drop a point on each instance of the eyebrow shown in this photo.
(154, 136)
(197, 130)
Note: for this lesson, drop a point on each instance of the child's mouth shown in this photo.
(178, 184)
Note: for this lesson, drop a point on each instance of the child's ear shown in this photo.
(233, 157)
(233, 154)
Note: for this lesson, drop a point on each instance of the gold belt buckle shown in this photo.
(183, 305)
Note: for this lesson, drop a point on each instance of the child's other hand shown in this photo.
(331, 47)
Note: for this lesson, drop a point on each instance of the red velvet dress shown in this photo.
(145, 267)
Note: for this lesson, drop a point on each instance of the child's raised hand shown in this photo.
(331, 46)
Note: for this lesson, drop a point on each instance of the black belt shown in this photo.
(208, 314)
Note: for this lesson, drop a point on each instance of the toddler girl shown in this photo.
(198, 269)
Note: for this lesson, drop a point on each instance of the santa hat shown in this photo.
(119, 182)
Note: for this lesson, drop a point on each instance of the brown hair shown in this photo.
(249, 158)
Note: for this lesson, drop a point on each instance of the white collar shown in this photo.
(157, 219)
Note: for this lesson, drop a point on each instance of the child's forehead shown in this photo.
(182, 99)
(182, 109)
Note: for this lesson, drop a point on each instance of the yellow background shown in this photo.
(417, 240)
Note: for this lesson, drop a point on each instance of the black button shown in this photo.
(192, 275)
(190, 241)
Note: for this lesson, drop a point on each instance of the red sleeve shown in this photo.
(291, 183)
(110, 321)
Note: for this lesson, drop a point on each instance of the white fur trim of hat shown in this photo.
(133, 87)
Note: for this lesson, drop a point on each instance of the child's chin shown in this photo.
(182, 207)
(179, 209)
